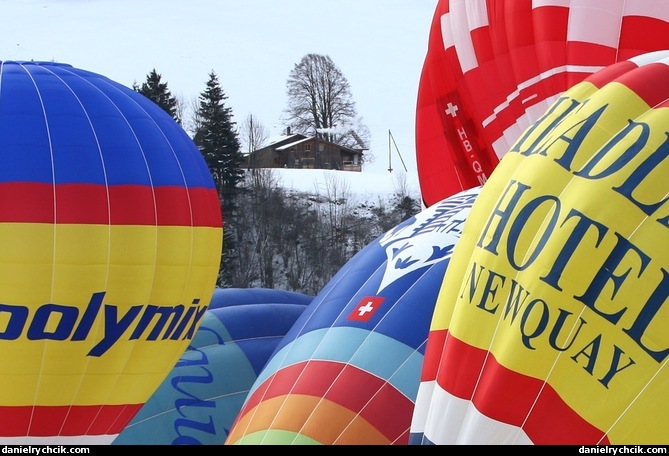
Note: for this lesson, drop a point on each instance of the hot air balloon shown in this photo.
(551, 324)
(493, 67)
(110, 244)
(348, 371)
(227, 297)
(200, 398)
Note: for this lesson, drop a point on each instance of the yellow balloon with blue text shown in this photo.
(552, 323)
(110, 246)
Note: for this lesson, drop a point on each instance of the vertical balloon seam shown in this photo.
(545, 381)
(53, 182)
(107, 193)
(72, 73)
(489, 350)
(489, 353)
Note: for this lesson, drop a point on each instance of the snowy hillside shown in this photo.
(365, 186)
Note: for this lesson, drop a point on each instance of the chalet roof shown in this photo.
(285, 142)
(294, 143)
(283, 138)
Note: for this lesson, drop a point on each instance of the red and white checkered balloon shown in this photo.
(493, 67)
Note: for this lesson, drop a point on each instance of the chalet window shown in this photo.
(307, 147)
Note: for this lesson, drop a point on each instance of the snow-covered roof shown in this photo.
(277, 139)
(298, 138)
(289, 145)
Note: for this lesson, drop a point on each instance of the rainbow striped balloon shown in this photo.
(348, 371)
(110, 244)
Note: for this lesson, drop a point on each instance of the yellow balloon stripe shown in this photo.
(83, 307)
(318, 419)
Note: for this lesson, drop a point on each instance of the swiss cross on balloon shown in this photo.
(451, 109)
(366, 308)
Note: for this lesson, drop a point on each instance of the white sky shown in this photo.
(379, 45)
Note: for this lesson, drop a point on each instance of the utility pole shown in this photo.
(391, 139)
(390, 155)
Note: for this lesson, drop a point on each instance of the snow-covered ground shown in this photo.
(366, 185)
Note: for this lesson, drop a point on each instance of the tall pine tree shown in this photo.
(157, 91)
(217, 139)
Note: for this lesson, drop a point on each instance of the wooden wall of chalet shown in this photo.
(308, 154)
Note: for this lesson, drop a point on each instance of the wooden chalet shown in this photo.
(308, 152)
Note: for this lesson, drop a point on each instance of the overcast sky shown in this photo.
(379, 45)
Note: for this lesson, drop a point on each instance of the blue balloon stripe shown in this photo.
(227, 297)
(372, 352)
(62, 125)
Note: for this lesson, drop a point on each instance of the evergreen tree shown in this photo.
(157, 91)
(217, 139)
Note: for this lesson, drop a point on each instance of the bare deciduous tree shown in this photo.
(188, 109)
(258, 225)
(320, 102)
(299, 241)
(253, 135)
(337, 217)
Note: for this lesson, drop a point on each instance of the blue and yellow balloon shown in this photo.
(110, 244)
